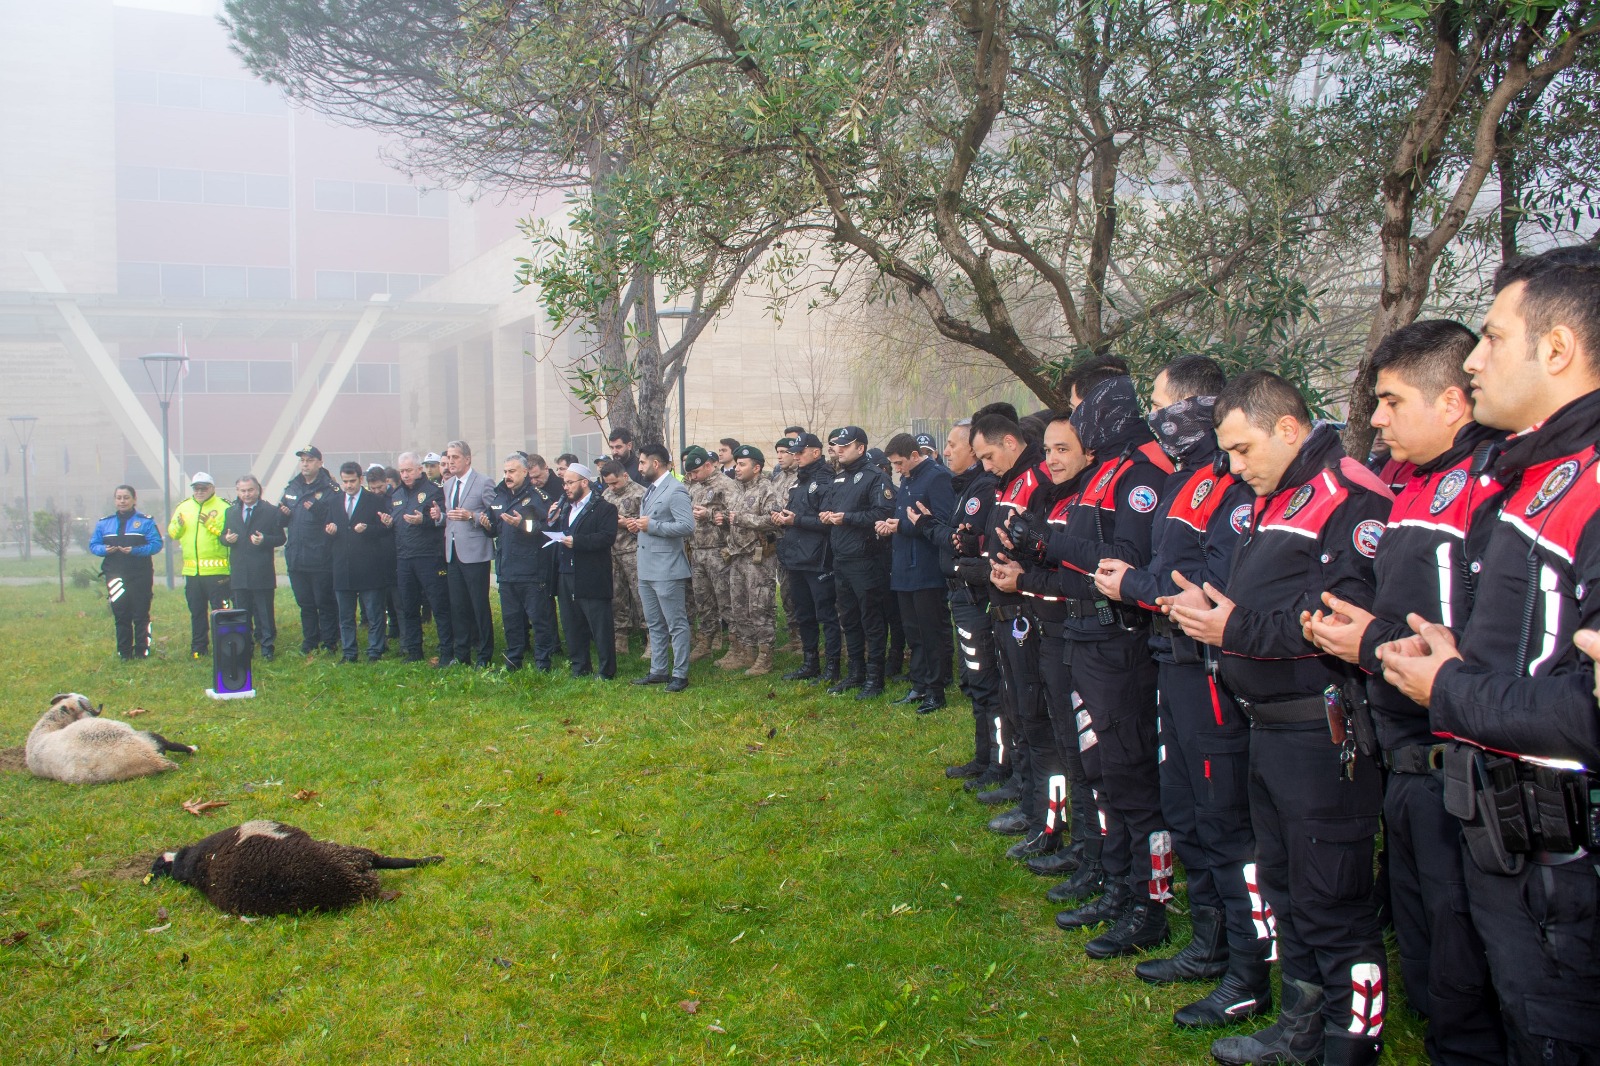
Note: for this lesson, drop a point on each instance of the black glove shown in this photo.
(968, 542)
(1029, 537)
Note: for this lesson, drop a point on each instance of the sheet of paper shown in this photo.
(554, 537)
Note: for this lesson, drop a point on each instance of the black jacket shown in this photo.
(304, 510)
(426, 539)
(974, 498)
(1521, 686)
(915, 544)
(1014, 492)
(251, 566)
(589, 558)
(1422, 568)
(362, 561)
(804, 545)
(519, 549)
(865, 497)
(1318, 530)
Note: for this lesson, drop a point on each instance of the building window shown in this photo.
(376, 198)
(224, 188)
(227, 281)
(181, 90)
(221, 280)
(171, 89)
(203, 186)
(271, 375)
(139, 279)
(268, 283)
(139, 183)
(227, 376)
(181, 186)
(182, 279)
(369, 198)
(336, 285)
(267, 190)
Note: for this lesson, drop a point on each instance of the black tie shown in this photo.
(455, 496)
(349, 506)
(247, 511)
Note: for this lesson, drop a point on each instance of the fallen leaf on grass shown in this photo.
(199, 807)
(690, 1006)
(504, 964)
(13, 938)
(491, 748)
(161, 914)
(159, 928)
(715, 1028)
(772, 732)
(388, 895)
(305, 794)
(134, 712)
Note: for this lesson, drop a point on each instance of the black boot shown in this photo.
(1010, 823)
(809, 667)
(1107, 907)
(1040, 843)
(916, 695)
(966, 769)
(1204, 958)
(1295, 1037)
(830, 673)
(1089, 879)
(1143, 925)
(853, 679)
(1341, 1049)
(933, 701)
(993, 777)
(1063, 863)
(1244, 992)
(1009, 792)
(873, 687)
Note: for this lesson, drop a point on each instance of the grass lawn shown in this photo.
(747, 870)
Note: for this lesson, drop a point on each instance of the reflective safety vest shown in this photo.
(197, 530)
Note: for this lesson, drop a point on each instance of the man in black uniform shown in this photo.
(1425, 414)
(308, 553)
(1205, 739)
(519, 517)
(1516, 693)
(967, 577)
(416, 508)
(1110, 516)
(803, 551)
(1313, 801)
(857, 500)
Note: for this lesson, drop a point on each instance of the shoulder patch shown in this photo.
(857, 478)
(1555, 483)
(1449, 488)
(1240, 519)
(1201, 491)
(1111, 469)
(811, 487)
(973, 505)
(888, 493)
(1366, 537)
(1142, 499)
(1301, 497)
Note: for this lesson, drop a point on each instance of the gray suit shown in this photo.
(664, 573)
(467, 551)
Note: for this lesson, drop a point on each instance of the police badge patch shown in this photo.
(1556, 483)
(1142, 499)
(1367, 536)
(1448, 489)
(1098, 485)
(1240, 519)
(973, 505)
(888, 493)
(1201, 491)
(857, 477)
(811, 487)
(1301, 497)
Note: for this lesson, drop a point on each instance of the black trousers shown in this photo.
(980, 677)
(261, 606)
(1017, 641)
(1442, 958)
(811, 606)
(319, 612)
(371, 601)
(471, 622)
(204, 594)
(423, 581)
(129, 596)
(1116, 679)
(1314, 840)
(925, 614)
(861, 591)
(1205, 794)
(588, 621)
(1071, 797)
(526, 606)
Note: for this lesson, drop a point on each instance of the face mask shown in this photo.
(1182, 425)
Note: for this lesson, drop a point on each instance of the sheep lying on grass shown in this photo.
(266, 867)
(72, 743)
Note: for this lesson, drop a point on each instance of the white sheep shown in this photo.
(73, 743)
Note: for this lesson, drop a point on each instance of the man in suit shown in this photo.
(358, 523)
(467, 551)
(664, 526)
(253, 534)
(520, 518)
(583, 566)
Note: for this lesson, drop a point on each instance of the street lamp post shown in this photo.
(164, 370)
(22, 426)
(682, 314)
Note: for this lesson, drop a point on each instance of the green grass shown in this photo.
(611, 852)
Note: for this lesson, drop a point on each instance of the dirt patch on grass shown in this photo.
(14, 759)
(133, 868)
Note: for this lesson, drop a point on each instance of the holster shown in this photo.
(1472, 795)
(1515, 809)
(1355, 697)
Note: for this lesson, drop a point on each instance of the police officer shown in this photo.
(709, 490)
(1424, 411)
(915, 577)
(307, 554)
(752, 560)
(804, 552)
(967, 579)
(416, 511)
(1314, 801)
(1515, 690)
(126, 540)
(1204, 737)
(1111, 516)
(786, 453)
(859, 498)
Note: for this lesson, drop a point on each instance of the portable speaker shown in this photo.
(231, 645)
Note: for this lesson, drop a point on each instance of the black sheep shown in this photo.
(265, 867)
